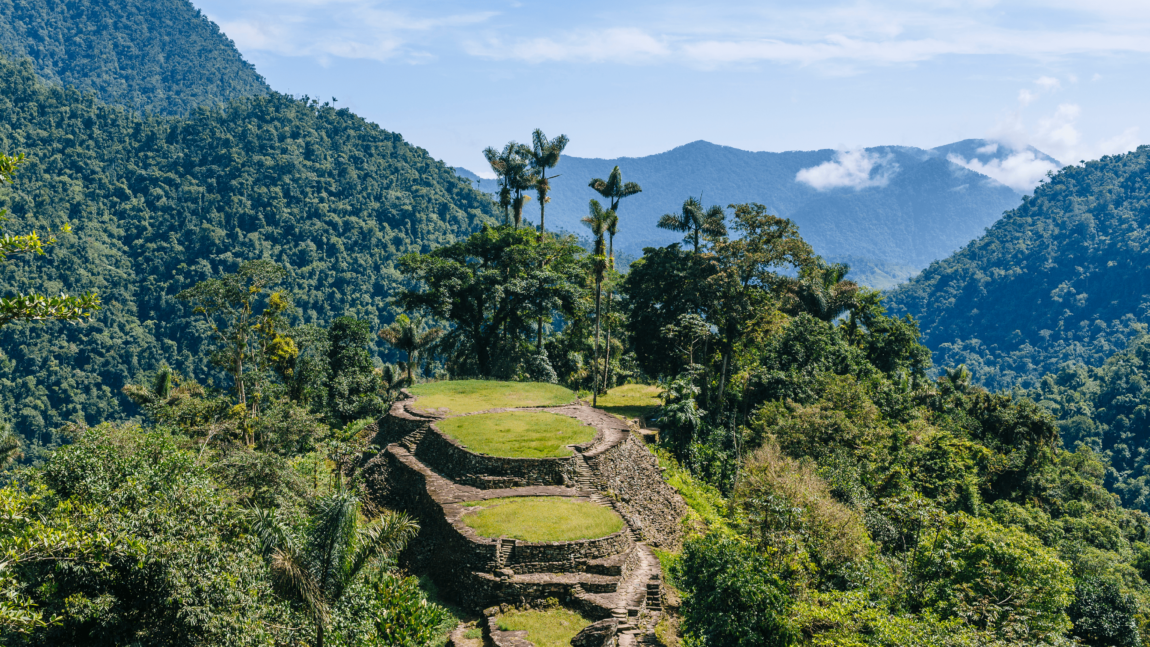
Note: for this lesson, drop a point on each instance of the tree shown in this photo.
(694, 221)
(353, 391)
(544, 155)
(493, 286)
(316, 566)
(229, 305)
(597, 223)
(748, 275)
(409, 337)
(512, 166)
(36, 307)
(823, 291)
(732, 596)
(613, 189)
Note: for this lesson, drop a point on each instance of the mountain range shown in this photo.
(888, 210)
(1063, 278)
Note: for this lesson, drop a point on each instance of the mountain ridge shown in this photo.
(902, 214)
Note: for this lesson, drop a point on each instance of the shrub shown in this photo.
(732, 597)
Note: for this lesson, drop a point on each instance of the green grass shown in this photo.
(518, 434)
(542, 518)
(467, 396)
(705, 503)
(551, 628)
(631, 400)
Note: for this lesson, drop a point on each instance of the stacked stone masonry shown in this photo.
(431, 475)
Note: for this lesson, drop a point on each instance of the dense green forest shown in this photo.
(1107, 408)
(160, 56)
(926, 208)
(1062, 278)
(160, 203)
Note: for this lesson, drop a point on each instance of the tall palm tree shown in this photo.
(499, 165)
(693, 220)
(512, 165)
(613, 189)
(316, 566)
(544, 155)
(409, 337)
(597, 221)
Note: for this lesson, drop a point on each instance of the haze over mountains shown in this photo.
(889, 211)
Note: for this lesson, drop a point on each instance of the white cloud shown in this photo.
(1021, 170)
(321, 29)
(853, 169)
(1026, 97)
(989, 149)
(621, 44)
(1048, 83)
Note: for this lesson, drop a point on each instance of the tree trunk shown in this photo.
(319, 634)
(723, 377)
(607, 348)
(410, 355)
(595, 368)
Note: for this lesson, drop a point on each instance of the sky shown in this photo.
(637, 78)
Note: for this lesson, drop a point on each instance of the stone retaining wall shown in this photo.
(448, 457)
(630, 473)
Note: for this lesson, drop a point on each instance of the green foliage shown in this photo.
(161, 56)
(388, 611)
(997, 579)
(161, 204)
(1062, 278)
(732, 597)
(1108, 410)
(1103, 615)
(318, 564)
(136, 544)
(493, 286)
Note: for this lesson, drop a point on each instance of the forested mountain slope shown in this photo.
(160, 203)
(153, 55)
(914, 206)
(1064, 277)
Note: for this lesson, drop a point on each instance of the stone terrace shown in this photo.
(431, 475)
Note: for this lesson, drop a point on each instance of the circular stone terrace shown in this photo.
(499, 474)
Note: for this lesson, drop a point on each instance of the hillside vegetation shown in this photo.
(1064, 277)
(159, 204)
(160, 56)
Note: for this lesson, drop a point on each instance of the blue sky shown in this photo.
(636, 78)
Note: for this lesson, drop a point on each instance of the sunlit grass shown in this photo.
(518, 434)
(467, 396)
(541, 518)
(551, 628)
(631, 400)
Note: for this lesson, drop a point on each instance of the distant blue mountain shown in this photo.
(890, 210)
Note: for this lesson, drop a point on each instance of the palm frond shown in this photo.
(386, 536)
(332, 535)
(630, 189)
(673, 222)
(290, 572)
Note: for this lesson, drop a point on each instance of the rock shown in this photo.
(504, 573)
(491, 611)
(600, 634)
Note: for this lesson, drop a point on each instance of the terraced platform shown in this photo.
(433, 476)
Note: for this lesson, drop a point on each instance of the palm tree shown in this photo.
(409, 337)
(544, 155)
(693, 220)
(823, 291)
(613, 189)
(499, 165)
(511, 165)
(597, 222)
(317, 565)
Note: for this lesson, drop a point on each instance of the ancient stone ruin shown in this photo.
(614, 578)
